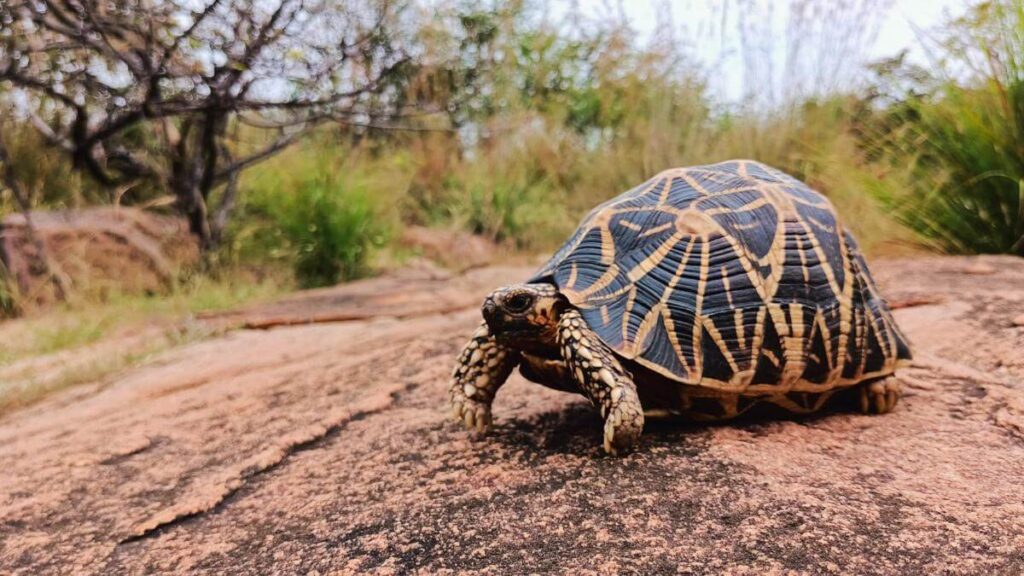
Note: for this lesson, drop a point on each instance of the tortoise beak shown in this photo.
(491, 314)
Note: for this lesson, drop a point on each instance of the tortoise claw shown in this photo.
(472, 414)
(880, 396)
(624, 424)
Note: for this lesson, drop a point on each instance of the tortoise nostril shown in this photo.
(490, 310)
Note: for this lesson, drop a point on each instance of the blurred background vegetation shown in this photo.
(510, 124)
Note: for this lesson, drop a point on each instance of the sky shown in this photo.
(906, 17)
(897, 28)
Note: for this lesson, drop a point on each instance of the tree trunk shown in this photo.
(194, 178)
(223, 213)
(192, 204)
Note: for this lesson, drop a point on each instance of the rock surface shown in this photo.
(325, 448)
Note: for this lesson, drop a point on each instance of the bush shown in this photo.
(589, 114)
(957, 147)
(332, 228)
(310, 210)
(325, 227)
(45, 173)
(510, 197)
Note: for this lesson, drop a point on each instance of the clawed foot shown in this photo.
(880, 396)
(473, 413)
(482, 368)
(623, 423)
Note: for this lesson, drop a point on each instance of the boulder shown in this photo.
(99, 250)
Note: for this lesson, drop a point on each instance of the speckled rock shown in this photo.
(325, 449)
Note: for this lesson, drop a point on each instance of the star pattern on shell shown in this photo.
(732, 276)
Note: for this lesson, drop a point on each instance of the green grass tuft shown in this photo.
(332, 228)
(322, 209)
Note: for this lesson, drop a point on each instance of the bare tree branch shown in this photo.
(268, 151)
(140, 91)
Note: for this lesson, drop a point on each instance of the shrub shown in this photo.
(325, 227)
(589, 114)
(958, 146)
(332, 227)
(510, 196)
(312, 211)
(44, 173)
(526, 214)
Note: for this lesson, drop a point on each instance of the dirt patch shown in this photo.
(325, 448)
(455, 249)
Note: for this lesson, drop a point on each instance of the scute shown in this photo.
(733, 276)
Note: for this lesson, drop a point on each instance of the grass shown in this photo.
(591, 114)
(67, 328)
(332, 228)
(958, 148)
(530, 190)
(8, 295)
(322, 209)
(64, 347)
(539, 123)
(22, 388)
(45, 173)
(22, 392)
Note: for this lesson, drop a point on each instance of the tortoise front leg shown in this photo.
(483, 367)
(602, 379)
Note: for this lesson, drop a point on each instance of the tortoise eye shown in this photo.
(518, 302)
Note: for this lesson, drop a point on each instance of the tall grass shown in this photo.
(322, 208)
(587, 111)
(958, 148)
(537, 121)
(44, 173)
(332, 228)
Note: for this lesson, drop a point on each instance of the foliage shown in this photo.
(956, 142)
(321, 209)
(331, 227)
(589, 113)
(44, 172)
(69, 327)
(75, 343)
(150, 95)
(522, 123)
(521, 207)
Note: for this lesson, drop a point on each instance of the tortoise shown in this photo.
(699, 294)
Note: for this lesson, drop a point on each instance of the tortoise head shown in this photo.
(524, 315)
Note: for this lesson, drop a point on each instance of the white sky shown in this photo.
(908, 16)
(900, 28)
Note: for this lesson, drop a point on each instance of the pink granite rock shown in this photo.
(326, 448)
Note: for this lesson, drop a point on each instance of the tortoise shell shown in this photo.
(733, 276)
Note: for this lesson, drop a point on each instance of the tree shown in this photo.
(23, 201)
(173, 94)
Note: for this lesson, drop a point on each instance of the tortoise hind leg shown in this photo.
(483, 367)
(603, 380)
(880, 396)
